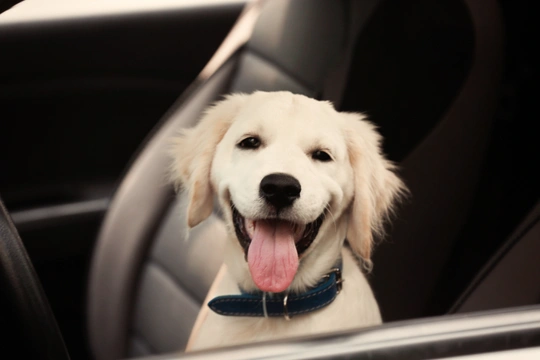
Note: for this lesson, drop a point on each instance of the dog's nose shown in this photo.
(280, 190)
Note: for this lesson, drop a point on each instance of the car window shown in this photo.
(43, 10)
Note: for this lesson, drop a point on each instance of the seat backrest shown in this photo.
(148, 281)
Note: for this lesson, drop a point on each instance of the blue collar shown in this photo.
(282, 304)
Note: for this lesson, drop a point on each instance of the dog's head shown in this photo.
(294, 178)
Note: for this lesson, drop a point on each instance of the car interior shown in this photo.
(94, 263)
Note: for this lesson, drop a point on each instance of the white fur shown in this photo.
(356, 189)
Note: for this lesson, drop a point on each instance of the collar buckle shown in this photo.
(285, 308)
(339, 279)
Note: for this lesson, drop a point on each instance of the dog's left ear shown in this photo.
(376, 187)
(193, 151)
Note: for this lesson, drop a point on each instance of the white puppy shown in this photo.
(294, 179)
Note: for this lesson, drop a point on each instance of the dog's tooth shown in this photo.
(250, 226)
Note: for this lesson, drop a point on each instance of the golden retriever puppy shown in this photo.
(295, 180)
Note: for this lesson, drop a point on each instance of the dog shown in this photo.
(296, 180)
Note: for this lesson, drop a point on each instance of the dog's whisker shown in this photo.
(327, 209)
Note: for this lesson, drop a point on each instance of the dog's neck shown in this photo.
(316, 262)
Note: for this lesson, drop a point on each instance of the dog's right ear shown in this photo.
(193, 151)
(376, 186)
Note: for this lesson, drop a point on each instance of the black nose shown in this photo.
(279, 190)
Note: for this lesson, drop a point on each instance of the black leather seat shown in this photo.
(27, 317)
(147, 282)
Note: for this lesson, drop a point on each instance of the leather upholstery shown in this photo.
(181, 271)
(27, 317)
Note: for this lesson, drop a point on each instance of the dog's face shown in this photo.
(283, 169)
(294, 178)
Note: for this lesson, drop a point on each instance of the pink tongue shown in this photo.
(272, 256)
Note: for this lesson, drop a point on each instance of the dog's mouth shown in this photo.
(272, 247)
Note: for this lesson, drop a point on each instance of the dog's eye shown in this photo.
(251, 142)
(321, 156)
